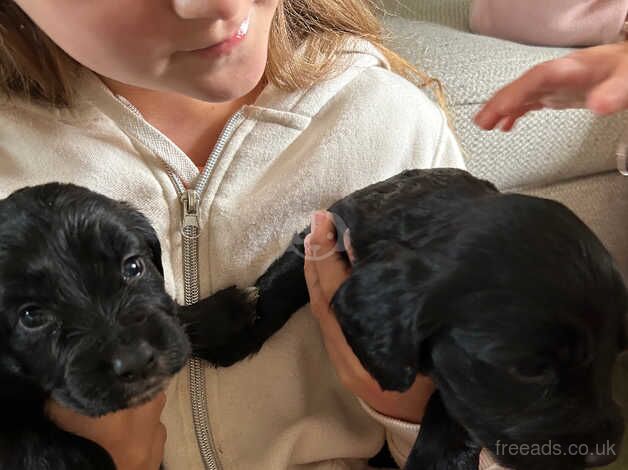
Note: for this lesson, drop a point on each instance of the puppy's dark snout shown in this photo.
(131, 362)
(599, 459)
(609, 437)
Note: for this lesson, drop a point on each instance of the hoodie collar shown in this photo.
(292, 110)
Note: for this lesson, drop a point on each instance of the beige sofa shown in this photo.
(563, 155)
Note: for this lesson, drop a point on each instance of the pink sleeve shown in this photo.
(550, 22)
(401, 436)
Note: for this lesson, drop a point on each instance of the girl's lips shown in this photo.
(229, 44)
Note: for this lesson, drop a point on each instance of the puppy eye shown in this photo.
(132, 267)
(32, 317)
(533, 372)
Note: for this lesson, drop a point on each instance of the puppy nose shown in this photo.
(599, 460)
(129, 363)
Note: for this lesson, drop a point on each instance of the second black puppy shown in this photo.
(509, 302)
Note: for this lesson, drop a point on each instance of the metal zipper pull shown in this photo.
(190, 226)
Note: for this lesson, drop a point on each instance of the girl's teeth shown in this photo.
(244, 27)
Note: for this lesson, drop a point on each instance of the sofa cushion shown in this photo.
(454, 13)
(545, 147)
(601, 202)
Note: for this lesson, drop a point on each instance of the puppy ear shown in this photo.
(623, 335)
(379, 309)
(442, 442)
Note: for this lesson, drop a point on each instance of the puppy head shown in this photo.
(83, 311)
(535, 328)
(517, 312)
(525, 378)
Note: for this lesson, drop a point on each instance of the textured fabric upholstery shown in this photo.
(454, 13)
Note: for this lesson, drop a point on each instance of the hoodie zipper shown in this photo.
(190, 232)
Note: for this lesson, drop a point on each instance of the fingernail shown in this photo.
(318, 218)
(306, 246)
(480, 120)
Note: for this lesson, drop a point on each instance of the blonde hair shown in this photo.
(32, 66)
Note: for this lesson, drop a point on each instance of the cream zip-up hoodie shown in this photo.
(286, 156)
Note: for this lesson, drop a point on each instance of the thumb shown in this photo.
(331, 267)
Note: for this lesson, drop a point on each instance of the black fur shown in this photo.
(105, 341)
(73, 324)
(509, 302)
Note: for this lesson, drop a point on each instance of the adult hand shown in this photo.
(134, 437)
(325, 271)
(595, 78)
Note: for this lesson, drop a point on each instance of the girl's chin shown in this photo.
(220, 91)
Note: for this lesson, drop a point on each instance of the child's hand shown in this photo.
(134, 437)
(325, 271)
(595, 78)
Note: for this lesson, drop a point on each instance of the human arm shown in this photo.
(134, 437)
(399, 413)
(595, 78)
(325, 271)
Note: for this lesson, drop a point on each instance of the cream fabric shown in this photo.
(294, 153)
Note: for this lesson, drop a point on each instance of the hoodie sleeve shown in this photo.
(401, 435)
(448, 153)
(550, 23)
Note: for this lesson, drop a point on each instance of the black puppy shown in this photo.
(85, 319)
(508, 302)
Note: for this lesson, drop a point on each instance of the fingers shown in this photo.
(347, 242)
(324, 265)
(555, 84)
(151, 410)
(611, 95)
(514, 98)
(489, 118)
(159, 401)
(158, 447)
(595, 78)
(507, 123)
(318, 302)
(134, 437)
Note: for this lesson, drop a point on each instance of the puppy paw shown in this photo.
(227, 355)
(240, 311)
(220, 326)
(247, 299)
